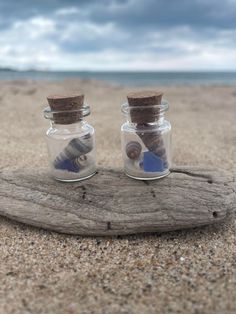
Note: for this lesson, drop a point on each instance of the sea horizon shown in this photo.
(128, 78)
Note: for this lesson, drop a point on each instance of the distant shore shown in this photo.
(125, 77)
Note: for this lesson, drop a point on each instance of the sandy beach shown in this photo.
(191, 271)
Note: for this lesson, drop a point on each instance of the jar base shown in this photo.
(148, 178)
(75, 179)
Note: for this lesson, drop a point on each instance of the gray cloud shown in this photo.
(133, 13)
(127, 32)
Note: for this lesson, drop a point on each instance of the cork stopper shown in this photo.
(69, 108)
(147, 103)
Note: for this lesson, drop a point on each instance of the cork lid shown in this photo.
(67, 109)
(144, 105)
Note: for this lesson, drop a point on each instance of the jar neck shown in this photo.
(67, 118)
(72, 126)
(157, 120)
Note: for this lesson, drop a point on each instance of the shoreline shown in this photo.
(129, 78)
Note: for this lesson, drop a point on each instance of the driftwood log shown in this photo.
(112, 204)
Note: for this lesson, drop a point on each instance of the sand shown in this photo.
(190, 271)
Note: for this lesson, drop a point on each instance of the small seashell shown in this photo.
(73, 157)
(133, 149)
(160, 151)
(155, 144)
(78, 147)
(73, 165)
(82, 161)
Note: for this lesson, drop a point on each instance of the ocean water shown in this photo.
(129, 78)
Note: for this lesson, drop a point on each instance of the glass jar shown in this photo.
(70, 140)
(146, 136)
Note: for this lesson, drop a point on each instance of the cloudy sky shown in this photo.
(118, 34)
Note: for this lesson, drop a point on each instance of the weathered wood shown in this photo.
(111, 203)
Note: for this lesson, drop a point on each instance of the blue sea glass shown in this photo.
(67, 164)
(152, 163)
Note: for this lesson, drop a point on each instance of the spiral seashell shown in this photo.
(78, 147)
(133, 149)
(154, 142)
(73, 155)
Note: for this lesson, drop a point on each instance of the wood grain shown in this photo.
(112, 204)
